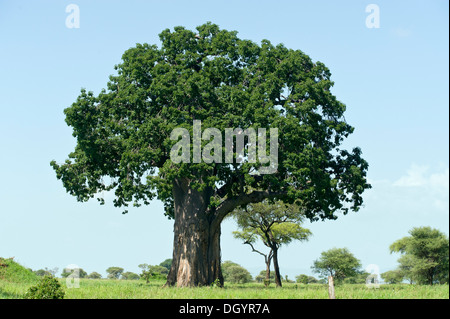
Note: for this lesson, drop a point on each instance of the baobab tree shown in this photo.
(124, 138)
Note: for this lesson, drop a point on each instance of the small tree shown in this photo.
(114, 272)
(336, 263)
(275, 225)
(145, 272)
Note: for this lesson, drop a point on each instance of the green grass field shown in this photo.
(137, 289)
(15, 280)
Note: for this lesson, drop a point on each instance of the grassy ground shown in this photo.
(15, 280)
(138, 289)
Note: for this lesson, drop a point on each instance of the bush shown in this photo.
(47, 288)
(235, 273)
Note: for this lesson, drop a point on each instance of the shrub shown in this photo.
(235, 273)
(47, 288)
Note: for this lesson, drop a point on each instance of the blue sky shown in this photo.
(393, 79)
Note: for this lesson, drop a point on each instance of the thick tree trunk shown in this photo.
(276, 267)
(196, 246)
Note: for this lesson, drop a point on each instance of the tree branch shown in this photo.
(231, 203)
(254, 250)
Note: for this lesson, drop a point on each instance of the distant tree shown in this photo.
(114, 272)
(425, 255)
(153, 271)
(46, 272)
(166, 263)
(83, 274)
(42, 272)
(130, 276)
(94, 275)
(392, 276)
(235, 273)
(145, 272)
(69, 271)
(262, 276)
(336, 263)
(275, 225)
(360, 277)
(52, 271)
(158, 269)
(66, 272)
(305, 279)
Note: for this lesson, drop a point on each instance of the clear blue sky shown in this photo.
(393, 79)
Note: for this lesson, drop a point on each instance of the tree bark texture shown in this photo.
(276, 267)
(196, 247)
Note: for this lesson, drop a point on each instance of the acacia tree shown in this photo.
(124, 145)
(114, 272)
(425, 255)
(275, 225)
(336, 263)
